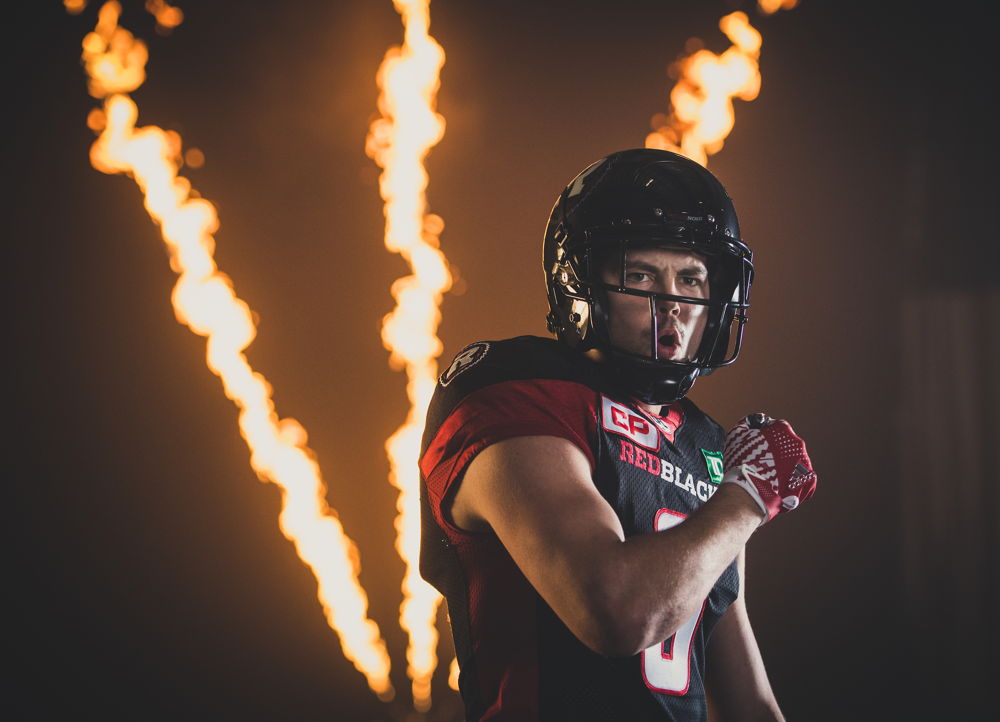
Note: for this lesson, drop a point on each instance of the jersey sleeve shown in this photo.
(535, 407)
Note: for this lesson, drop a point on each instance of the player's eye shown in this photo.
(637, 277)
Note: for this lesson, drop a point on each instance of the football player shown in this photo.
(584, 520)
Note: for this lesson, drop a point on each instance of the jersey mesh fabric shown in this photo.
(518, 660)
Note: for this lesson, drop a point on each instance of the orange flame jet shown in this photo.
(702, 113)
(398, 142)
(204, 300)
(702, 99)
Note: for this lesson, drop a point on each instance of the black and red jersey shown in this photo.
(518, 660)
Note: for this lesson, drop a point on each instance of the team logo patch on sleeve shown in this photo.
(465, 359)
(713, 459)
(622, 420)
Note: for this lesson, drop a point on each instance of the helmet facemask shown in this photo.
(659, 342)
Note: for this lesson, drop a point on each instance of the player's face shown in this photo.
(679, 325)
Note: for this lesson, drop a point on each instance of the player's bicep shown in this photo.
(537, 495)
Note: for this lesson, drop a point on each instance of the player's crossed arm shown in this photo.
(621, 596)
(618, 597)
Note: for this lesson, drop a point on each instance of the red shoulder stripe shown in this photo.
(533, 407)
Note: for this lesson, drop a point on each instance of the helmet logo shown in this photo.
(577, 187)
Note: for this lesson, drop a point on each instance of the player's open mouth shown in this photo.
(668, 344)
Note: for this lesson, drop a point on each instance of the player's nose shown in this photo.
(668, 307)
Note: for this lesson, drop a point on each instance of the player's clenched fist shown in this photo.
(770, 462)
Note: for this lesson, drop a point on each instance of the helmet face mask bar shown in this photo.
(643, 199)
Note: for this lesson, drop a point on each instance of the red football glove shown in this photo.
(770, 462)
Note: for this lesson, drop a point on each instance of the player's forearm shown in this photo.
(664, 577)
(740, 687)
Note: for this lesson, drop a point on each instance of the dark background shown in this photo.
(148, 578)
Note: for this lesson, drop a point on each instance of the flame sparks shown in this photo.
(194, 158)
(167, 16)
(398, 142)
(114, 60)
(769, 7)
(702, 99)
(204, 300)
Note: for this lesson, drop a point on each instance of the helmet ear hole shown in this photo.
(579, 316)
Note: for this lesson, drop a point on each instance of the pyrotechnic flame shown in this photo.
(702, 99)
(205, 301)
(769, 7)
(75, 7)
(399, 141)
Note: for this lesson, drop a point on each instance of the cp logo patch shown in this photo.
(466, 358)
(622, 420)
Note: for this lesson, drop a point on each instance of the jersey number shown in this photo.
(666, 667)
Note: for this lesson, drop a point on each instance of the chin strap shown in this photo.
(655, 384)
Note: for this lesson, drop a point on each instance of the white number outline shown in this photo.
(661, 670)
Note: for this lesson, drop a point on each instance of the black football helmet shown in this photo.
(646, 198)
